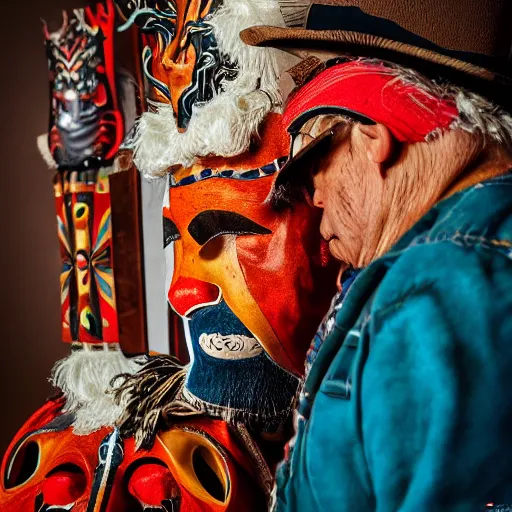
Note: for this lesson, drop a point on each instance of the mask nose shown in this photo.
(64, 486)
(153, 485)
(188, 294)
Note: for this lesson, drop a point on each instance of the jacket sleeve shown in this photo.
(436, 389)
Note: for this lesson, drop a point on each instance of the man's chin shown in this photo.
(337, 252)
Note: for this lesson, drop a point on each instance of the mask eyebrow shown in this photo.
(210, 224)
(171, 232)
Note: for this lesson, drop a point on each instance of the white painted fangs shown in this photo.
(231, 346)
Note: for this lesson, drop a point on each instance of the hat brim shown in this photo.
(359, 44)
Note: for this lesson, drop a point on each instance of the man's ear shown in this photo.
(377, 142)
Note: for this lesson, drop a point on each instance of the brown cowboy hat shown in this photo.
(467, 42)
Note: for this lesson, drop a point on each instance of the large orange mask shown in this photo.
(196, 466)
(252, 282)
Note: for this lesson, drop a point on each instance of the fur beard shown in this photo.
(84, 378)
(225, 125)
(151, 398)
(156, 395)
(221, 128)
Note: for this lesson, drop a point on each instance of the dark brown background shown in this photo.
(29, 283)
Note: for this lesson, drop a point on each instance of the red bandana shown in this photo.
(373, 91)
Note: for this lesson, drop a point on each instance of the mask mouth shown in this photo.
(221, 335)
(230, 347)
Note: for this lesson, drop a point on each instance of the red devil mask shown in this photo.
(196, 466)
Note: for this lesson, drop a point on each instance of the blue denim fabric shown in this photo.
(408, 405)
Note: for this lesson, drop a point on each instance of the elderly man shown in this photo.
(408, 402)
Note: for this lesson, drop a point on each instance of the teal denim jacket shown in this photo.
(408, 404)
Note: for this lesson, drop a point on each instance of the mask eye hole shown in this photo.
(171, 232)
(199, 464)
(23, 464)
(207, 472)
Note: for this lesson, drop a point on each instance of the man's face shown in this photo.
(342, 184)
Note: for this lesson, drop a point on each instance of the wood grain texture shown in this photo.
(128, 260)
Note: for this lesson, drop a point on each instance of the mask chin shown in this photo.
(252, 389)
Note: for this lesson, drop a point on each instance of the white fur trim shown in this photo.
(84, 377)
(225, 125)
(479, 114)
(42, 145)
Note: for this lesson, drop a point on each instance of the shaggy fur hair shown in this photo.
(84, 378)
(476, 113)
(225, 125)
(150, 397)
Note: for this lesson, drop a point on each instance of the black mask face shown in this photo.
(85, 126)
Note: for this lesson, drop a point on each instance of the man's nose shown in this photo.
(188, 294)
(317, 199)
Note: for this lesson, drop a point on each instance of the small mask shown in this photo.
(87, 283)
(86, 125)
(182, 63)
